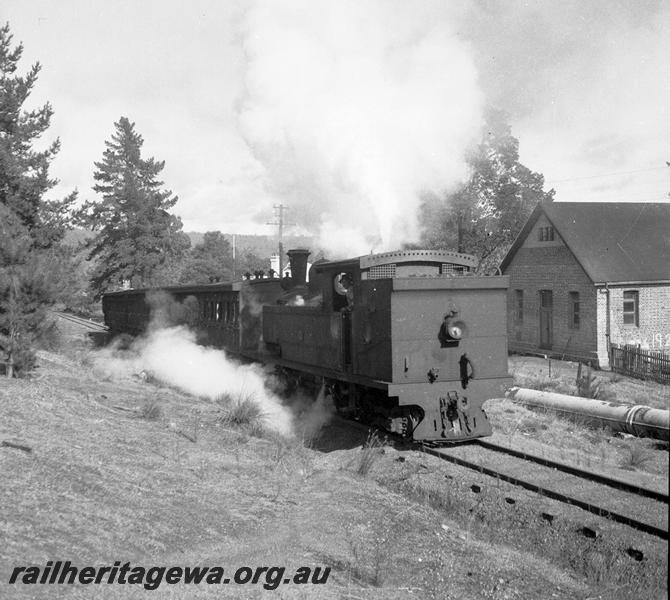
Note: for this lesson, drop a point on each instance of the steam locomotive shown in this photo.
(411, 341)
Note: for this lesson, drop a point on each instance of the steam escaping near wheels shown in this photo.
(172, 356)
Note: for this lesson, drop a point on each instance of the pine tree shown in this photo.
(31, 227)
(136, 235)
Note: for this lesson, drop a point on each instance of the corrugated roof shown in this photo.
(613, 241)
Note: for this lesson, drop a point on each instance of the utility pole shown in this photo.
(279, 222)
(234, 259)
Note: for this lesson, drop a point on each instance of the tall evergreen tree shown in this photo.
(31, 226)
(484, 214)
(210, 260)
(136, 235)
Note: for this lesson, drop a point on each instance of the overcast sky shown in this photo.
(345, 110)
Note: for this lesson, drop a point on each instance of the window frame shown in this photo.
(574, 310)
(546, 234)
(634, 314)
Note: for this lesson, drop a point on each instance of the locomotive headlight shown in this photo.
(455, 331)
(451, 331)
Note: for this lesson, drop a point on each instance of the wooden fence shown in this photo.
(643, 364)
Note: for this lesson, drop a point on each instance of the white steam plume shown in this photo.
(355, 108)
(169, 352)
(172, 356)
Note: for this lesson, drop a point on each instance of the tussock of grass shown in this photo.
(370, 452)
(151, 411)
(242, 412)
(635, 458)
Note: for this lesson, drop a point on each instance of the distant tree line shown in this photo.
(137, 241)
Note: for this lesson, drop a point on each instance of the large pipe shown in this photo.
(641, 421)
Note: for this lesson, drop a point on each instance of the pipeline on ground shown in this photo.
(637, 420)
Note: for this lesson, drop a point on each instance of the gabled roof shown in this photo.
(613, 241)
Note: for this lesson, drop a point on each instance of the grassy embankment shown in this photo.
(125, 469)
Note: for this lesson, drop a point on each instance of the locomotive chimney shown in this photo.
(298, 260)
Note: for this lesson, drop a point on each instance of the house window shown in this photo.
(518, 306)
(573, 323)
(631, 301)
(546, 234)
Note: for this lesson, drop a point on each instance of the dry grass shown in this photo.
(637, 458)
(534, 373)
(102, 485)
(575, 441)
(242, 412)
(151, 411)
(186, 489)
(603, 561)
(370, 453)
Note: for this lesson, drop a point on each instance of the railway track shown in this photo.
(640, 508)
(92, 325)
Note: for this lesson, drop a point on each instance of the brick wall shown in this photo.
(653, 328)
(551, 266)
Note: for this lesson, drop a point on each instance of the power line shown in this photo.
(605, 175)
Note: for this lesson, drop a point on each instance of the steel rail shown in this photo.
(592, 508)
(583, 473)
(81, 321)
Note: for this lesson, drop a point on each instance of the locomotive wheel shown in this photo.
(414, 417)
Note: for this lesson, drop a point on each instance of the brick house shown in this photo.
(583, 274)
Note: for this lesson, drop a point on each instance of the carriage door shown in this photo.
(546, 318)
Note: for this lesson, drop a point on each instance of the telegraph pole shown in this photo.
(279, 222)
(234, 259)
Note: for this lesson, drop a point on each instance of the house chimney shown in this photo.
(298, 260)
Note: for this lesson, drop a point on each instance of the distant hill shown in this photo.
(263, 246)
